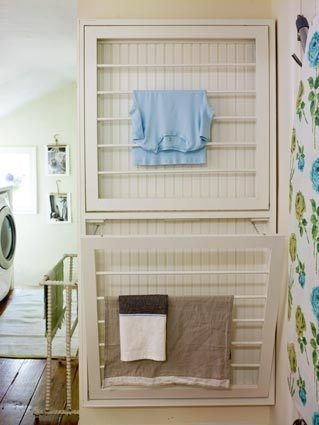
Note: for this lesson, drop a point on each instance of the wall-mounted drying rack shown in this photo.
(232, 64)
(155, 225)
(249, 267)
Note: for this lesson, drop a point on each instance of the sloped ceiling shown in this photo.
(37, 49)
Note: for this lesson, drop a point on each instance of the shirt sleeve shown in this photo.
(207, 114)
(137, 123)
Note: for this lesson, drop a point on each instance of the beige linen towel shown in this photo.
(198, 345)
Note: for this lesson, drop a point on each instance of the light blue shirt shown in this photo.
(170, 126)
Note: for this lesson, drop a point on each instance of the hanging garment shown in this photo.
(198, 345)
(303, 281)
(170, 126)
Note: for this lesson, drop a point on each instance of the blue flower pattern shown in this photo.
(314, 299)
(302, 279)
(315, 175)
(313, 51)
(301, 163)
(303, 396)
(315, 418)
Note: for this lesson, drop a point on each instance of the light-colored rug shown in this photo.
(22, 327)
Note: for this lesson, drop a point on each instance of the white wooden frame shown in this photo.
(265, 111)
(96, 395)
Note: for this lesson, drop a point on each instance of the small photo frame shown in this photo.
(57, 160)
(59, 210)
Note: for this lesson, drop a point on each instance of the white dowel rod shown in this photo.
(212, 145)
(179, 171)
(218, 118)
(236, 297)
(216, 145)
(182, 272)
(208, 92)
(174, 65)
(233, 365)
(233, 343)
(102, 322)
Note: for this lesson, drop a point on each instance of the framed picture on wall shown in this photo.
(18, 168)
(59, 208)
(57, 158)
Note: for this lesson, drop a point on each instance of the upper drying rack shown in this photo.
(231, 63)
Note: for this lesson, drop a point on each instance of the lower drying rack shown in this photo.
(246, 266)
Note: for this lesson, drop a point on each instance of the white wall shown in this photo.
(40, 244)
(174, 9)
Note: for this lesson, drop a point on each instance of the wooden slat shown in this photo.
(58, 396)
(73, 419)
(58, 399)
(20, 392)
(9, 368)
(58, 385)
(38, 399)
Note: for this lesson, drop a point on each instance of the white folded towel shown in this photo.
(143, 327)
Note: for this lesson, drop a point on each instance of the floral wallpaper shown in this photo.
(303, 280)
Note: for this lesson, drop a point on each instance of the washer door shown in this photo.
(7, 238)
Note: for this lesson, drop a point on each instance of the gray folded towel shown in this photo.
(198, 345)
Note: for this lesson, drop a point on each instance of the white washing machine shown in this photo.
(7, 242)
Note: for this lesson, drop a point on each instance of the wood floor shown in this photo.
(22, 388)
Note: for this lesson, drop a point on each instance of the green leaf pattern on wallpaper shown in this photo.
(303, 249)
